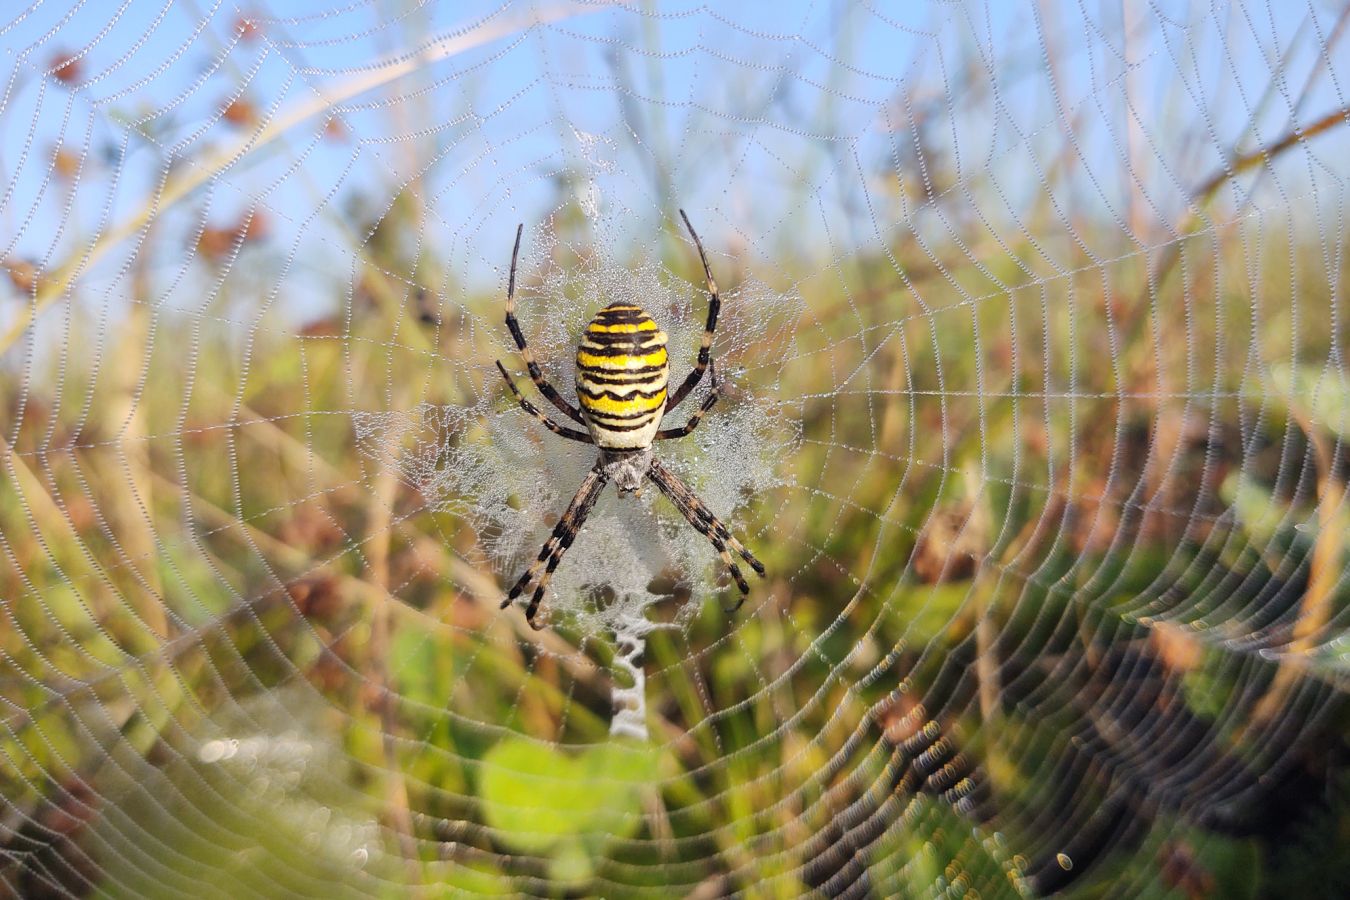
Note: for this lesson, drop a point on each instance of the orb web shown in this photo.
(509, 479)
(1035, 399)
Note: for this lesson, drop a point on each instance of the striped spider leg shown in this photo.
(541, 570)
(562, 431)
(705, 345)
(666, 434)
(622, 374)
(572, 519)
(706, 524)
(542, 383)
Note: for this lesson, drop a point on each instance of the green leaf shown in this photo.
(927, 610)
(542, 798)
(413, 665)
(1324, 394)
(1259, 512)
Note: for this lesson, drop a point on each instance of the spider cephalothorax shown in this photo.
(622, 380)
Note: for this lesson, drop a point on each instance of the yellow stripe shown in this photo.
(649, 345)
(619, 363)
(645, 385)
(623, 379)
(590, 346)
(627, 328)
(627, 406)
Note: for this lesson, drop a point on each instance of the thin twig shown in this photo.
(179, 185)
(1324, 570)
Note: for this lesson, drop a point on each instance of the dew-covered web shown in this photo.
(1033, 399)
(507, 479)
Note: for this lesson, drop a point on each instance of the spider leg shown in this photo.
(526, 353)
(705, 347)
(667, 433)
(569, 433)
(700, 512)
(552, 552)
(706, 524)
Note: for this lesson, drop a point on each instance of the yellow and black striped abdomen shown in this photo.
(621, 377)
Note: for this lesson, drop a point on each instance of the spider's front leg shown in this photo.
(541, 570)
(688, 427)
(570, 433)
(705, 345)
(536, 374)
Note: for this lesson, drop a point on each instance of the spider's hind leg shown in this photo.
(552, 552)
(708, 525)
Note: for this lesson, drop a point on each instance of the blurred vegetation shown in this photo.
(1017, 594)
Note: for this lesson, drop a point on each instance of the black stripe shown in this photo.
(622, 351)
(622, 317)
(632, 348)
(619, 349)
(622, 417)
(581, 391)
(601, 427)
(646, 389)
(599, 418)
(631, 337)
(648, 386)
(514, 328)
(596, 415)
(621, 376)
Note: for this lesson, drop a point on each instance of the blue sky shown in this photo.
(779, 123)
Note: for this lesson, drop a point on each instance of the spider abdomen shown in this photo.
(622, 373)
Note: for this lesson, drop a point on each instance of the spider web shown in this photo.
(491, 470)
(1035, 392)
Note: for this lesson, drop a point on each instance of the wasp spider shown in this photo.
(622, 375)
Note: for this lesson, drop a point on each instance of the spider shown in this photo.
(622, 375)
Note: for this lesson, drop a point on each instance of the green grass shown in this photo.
(196, 551)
